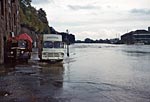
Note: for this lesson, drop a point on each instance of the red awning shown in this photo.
(25, 37)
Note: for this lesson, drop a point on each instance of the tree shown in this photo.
(88, 40)
(26, 3)
(34, 19)
(42, 15)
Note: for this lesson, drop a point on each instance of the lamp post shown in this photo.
(67, 42)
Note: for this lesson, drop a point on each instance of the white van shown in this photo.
(51, 47)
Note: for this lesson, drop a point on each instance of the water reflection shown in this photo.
(54, 72)
(134, 50)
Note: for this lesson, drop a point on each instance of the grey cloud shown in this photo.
(108, 6)
(140, 11)
(84, 7)
(42, 1)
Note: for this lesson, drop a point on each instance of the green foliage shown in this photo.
(32, 18)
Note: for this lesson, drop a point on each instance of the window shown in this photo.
(12, 1)
(22, 44)
(9, 1)
(58, 45)
(48, 44)
(2, 7)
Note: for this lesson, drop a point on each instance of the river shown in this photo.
(92, 73)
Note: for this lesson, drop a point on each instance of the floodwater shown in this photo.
(92, 73)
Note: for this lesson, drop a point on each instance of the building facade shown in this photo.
(138, 36)
(9, 22)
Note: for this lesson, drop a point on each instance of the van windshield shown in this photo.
(50, 44)
(22, 44)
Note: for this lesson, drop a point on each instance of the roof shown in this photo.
(137, 32)
(141, 31)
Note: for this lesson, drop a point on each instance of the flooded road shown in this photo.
(92, 73)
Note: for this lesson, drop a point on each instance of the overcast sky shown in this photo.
(96, 19)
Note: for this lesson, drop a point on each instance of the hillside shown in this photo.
(36, 21)
(33, 19)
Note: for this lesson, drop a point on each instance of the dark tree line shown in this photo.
(108, 41)
(68, 38)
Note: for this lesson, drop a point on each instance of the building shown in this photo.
(149, 29)
(9, 22)
(138, 36)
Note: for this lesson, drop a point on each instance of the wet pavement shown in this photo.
(92, 73)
